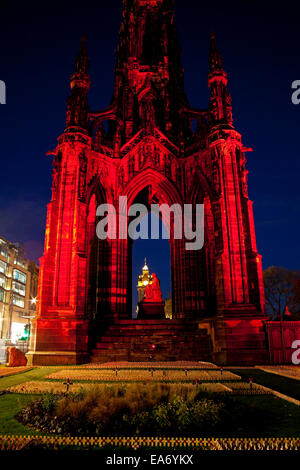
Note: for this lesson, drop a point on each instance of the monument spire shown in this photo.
(78, 108)
(82, 59)
(149, 74)
(215, 59)
(220, 108)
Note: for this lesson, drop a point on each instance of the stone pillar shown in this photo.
(61, 328)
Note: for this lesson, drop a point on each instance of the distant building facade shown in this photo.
(143, 280)
(18, 291)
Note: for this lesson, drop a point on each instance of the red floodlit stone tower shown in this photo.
(153, 147)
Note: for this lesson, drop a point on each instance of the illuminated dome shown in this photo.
(145, 268)
(143, 280)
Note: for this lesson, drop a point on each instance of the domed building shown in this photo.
(144, 279)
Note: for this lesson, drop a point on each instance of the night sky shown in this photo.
(260, 43)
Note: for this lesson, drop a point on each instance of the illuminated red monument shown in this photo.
(151, 146)
(153, 305)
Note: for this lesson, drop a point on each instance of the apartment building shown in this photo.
(18, 291)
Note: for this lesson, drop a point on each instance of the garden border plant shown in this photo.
(162, 409)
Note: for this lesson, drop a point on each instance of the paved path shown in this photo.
(291, 372)
(7, 371)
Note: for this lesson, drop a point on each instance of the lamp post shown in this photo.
(33, 301)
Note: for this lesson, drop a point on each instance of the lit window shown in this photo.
(3, 267)
(18, 301)
(2, 295)
(3, 249)
(18, 287)
(19, 276)
(2, 281)
(20, 262)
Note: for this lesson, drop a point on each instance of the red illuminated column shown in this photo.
(254, 263)
(233, 225)
(222, 271)
(61, 327)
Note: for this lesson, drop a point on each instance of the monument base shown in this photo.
(155, 310)
(60, 340)
(240, 337)
(56, 358)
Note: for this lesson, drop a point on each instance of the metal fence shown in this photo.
(4, 343)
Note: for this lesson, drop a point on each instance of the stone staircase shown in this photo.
(157, 340)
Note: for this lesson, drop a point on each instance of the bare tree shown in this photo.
(282, 289)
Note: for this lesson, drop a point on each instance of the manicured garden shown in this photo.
(170, 403)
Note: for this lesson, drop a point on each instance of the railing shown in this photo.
(22, 345)
(4, 343)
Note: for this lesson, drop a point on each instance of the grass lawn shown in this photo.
(10, 404)
(34, 374)
(279, 418)
(285, 385)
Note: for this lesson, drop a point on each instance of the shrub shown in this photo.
(49, 401)
(128, 409)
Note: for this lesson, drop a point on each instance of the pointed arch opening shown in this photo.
(155, 254)
(98, 258)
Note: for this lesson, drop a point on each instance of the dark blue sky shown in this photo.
(260, 43)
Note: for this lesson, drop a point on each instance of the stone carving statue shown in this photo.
(228, 107)
(82, 175)
(152, 291)
(216, 178)
(55, 175)
(121, 176)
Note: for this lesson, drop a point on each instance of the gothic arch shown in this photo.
(168, 194)
(105, 116)
(95, 187)
(151, 177)
(202, 262)
(200, 187)
(113, 137)
(97, 251)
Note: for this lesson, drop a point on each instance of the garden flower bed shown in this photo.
(161, 375)
(40, 387)
(132, 409)
(154, 364)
